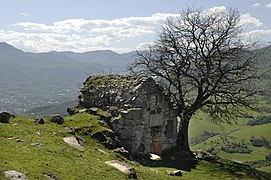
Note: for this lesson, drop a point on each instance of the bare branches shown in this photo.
(204, 63)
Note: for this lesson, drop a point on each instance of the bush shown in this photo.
(235, 147)
(259, 163)
(259, 121)
(268, 157)
(260, 142)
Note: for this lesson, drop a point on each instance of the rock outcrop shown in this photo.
(75, 141)
(56, 119)
(123, 167)
(39, 121)
(202, 155)
(15, 175)
(175, 173)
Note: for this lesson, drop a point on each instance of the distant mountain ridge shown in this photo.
(30, 80)
(36, 79)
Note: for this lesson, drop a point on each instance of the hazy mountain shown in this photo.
(36, 79)
(30, 80)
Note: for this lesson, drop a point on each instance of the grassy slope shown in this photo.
(235, 132)
(64, 162)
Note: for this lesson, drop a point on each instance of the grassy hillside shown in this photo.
(234, 141)
(53, 157)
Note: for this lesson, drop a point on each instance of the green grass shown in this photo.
(265, 168)
(233, 133)
(258, 130)
(253, 156)
(55, 156)
(60, 160)
(201, 122)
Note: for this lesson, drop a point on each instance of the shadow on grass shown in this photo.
(185, 164)
(239, 170)
(214, 165)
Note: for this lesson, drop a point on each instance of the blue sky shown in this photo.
(118, 25)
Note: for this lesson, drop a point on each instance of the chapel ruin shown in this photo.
(143, 116)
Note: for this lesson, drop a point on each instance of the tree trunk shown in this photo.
(182, 137)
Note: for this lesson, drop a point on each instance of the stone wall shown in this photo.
(144, 117)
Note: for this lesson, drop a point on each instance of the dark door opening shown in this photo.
(156, 147)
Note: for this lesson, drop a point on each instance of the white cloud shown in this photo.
(82, 35)
(44, 42)
(56, 28)
(248, 20)
(260, 35)
(216, 9)
(245, 19)
(268, 5)
(123, 32)
(122, 27)
(257, 4)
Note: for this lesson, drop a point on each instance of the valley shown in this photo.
(30, 80)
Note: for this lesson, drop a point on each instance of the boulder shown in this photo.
(15, 175)
(155, 157)
(39, 121)
(123, 167)
(56, 119)
(4, 117)
(175, 173)
(20, 140)
(75, 141)
(202, 155)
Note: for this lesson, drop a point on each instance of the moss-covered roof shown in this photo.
(94, 82)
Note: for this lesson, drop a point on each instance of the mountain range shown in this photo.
(34, 80)
(31, 80)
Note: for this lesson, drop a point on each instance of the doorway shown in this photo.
(156, 147)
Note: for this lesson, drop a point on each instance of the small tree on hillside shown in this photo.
(204, 64)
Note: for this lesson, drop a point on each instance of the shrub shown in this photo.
(259, 121)
(268, 157)
(260, 142)
(235, 147)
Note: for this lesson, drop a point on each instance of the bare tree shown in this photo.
(204, 63)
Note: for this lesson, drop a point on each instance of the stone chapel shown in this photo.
(143, 116)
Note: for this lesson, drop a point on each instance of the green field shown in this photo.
(233, 137)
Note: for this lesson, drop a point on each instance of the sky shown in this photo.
(118, 25)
